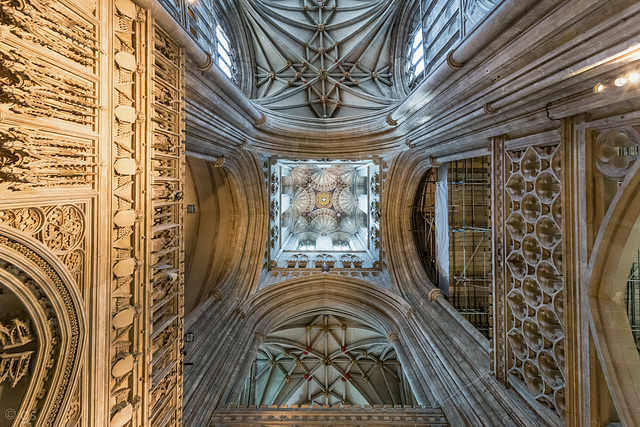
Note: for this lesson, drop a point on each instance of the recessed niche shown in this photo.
(531, 250)
(531, 208)
(517, 303)
(532, 335)
(531, 292)
(530, 164)
(548, 278)
(549, 324)
(516, 187)
(532, 378)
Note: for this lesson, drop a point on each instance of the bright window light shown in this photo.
(224, 56)
(419, 68)
(222, 37)
(225, 68)
(416, 55)
(224, 51)
(417, 39)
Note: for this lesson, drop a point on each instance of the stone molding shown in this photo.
(41, 281)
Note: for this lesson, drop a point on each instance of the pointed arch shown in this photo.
(618, 237)
(53, 310)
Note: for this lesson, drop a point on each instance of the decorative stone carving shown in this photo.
(54, 27)
(434, 294)
(533, 284)
(28, 220)
(13, 367)
(61, 227)
(30, 270)
(617, 150)
(126, 195)
(30, 158)
(164, 242)
(37, 89)
(64, 228)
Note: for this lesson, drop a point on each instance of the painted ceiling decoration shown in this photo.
(322, 58)
(327, 360)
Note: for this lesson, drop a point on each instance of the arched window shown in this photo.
(415, 57)
(223, 49)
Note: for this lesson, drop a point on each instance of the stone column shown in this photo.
(418, 392)
(245, 368)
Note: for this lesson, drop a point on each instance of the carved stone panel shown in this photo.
(61, 227)
(42, 331)
(529, 299)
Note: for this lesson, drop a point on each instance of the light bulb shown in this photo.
(598, 88)
(620, 81)
(633, 77)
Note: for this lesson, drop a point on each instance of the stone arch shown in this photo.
(52, 309)
(610, 264)
(333, 294)
(277, 303)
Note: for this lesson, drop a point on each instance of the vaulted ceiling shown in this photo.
(323, 204)
(327, 360)
(322, 58)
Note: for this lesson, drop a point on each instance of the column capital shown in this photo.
(216, 294)
(434, 294)
(219, 163)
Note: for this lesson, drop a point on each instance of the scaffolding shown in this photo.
(469, 216)
(470, 239)
(632, 299)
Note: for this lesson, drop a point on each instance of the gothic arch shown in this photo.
(338, 295)
(610, 264)
(311, 294)
(51, 328)
(405, 268)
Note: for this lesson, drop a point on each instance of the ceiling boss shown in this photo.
(324, 199)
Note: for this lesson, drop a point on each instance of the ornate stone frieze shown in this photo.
(36, 88)
(30, 158)
(165, 245)
(61, 227)
(498, 342)
(316, 416)
(127, 154)
(53, 26)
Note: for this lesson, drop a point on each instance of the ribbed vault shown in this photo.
(322, 58)
(327, 360)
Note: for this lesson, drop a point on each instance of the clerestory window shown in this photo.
(416, 56)
(224, 52)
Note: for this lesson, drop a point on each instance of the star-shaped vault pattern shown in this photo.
(322, 58)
